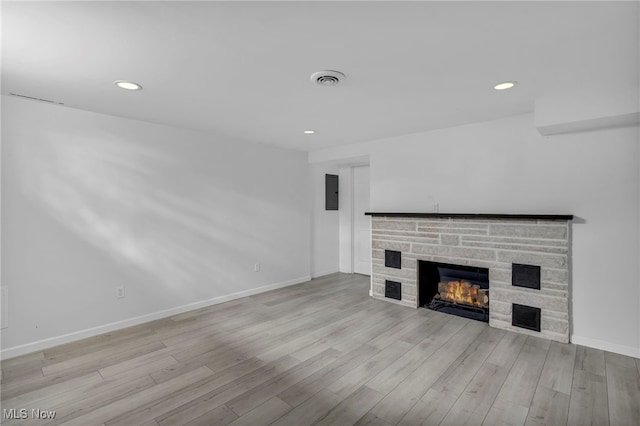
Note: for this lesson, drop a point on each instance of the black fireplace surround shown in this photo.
(431, 273)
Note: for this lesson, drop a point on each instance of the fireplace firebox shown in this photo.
(454, 289)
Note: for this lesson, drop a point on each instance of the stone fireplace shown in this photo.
(436, 260)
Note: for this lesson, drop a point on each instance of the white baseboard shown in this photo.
(606, 346)
(94, 331)
(323, 273)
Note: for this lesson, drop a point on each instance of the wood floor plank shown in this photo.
(224, 380)
(354, 379)
(522, 381)
(252, 345)
(206, 332)
(24, 371)
(366, 333)
(478, 397)
(74, 400)
(507, 350)
(264, 414)
(128, 336)
(400, 400)
(474, 403)
(219, 416)
(400, 369)
(178, 398)
(104, 357)
(350, 410)
(256, 396)
(311, 410)
(226, 375)
(411, 330)
(551, 400)
(127, 405)
(511, 406)
(623, 389)
(300, 392)
(24, 385)
(21, 368)
(338, 323)
(12, 362)
(141, 365)
(504, 413)
(107, 392)
(341, 338)
(220, 395)
(439, 399)
(419, 332)
(321, 352)
(557, 373)
(591, 360)
(588, 404)
(30, 398)
(549, 407)
(370, 419)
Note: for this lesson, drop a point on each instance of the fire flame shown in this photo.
(463, 292)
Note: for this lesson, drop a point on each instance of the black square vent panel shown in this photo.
(393, 290)
(525, 276)
(526, 317)
(393, 259)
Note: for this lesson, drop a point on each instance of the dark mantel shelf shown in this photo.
(478, 215)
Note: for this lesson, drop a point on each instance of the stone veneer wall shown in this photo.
(493, 244)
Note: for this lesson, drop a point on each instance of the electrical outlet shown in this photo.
(256, 267)
(120, 292)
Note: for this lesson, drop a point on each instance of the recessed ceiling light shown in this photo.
(127, 85)
(504, 86)
(309, 132)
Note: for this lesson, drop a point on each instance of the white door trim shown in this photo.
(357, 241)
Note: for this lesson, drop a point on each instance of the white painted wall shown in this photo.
(91, 202)
(4, 291)
(638, 138)
(506, 166)
(324, 224)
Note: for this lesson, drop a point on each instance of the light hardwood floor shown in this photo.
(321, 353)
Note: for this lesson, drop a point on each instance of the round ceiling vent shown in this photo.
(327, 78)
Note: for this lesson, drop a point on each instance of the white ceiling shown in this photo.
(241, 69)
